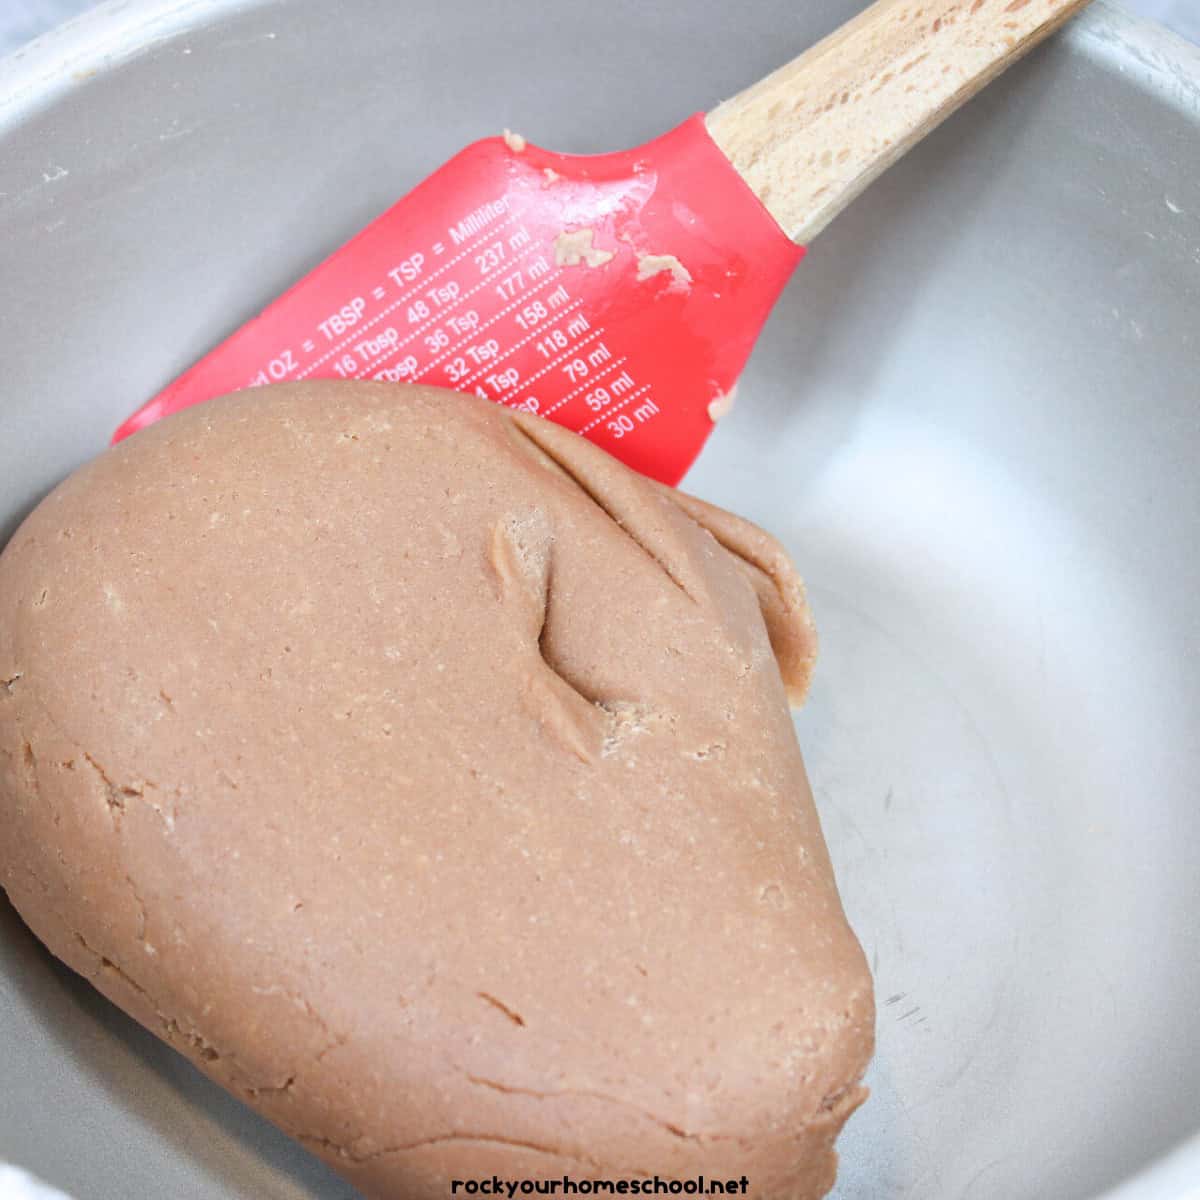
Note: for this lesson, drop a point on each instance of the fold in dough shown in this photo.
(427, 779)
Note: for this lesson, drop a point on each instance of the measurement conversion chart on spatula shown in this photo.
(618, 295)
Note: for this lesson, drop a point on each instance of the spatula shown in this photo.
(621, 294)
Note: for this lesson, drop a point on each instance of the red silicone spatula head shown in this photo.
(621, 295)
(618, 295)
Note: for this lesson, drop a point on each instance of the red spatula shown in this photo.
(620, 295)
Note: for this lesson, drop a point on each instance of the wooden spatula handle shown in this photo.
(812, 135)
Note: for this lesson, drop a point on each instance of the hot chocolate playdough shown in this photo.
(426, 777)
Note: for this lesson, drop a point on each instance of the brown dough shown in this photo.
(426, 777)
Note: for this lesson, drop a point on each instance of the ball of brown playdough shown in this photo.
(426, 777)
